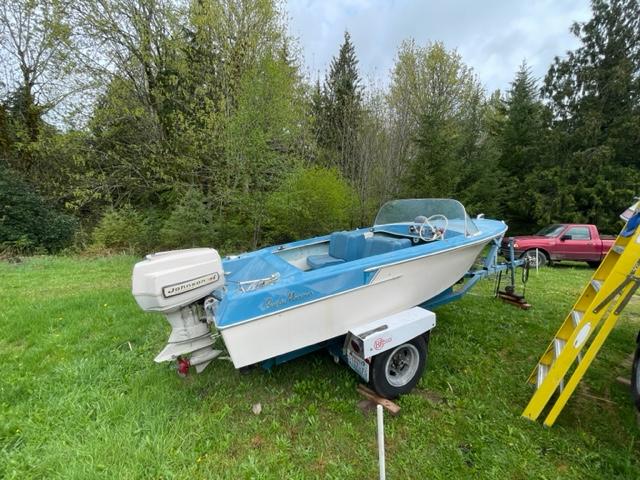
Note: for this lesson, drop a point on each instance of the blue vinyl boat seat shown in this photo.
(319, 261)
(348, 246)
(380, 244)
(343, 247)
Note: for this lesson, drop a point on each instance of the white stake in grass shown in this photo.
(381, 443)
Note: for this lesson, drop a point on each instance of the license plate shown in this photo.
(358, 365)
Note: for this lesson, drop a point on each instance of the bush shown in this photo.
(190, 223)
(311, 201)
(122, 229)
(27, 223)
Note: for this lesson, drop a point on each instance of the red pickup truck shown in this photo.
(562, 241)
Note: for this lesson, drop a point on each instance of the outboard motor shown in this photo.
(174, 283)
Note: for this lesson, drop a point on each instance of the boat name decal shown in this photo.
(183, 287)
(290, 297)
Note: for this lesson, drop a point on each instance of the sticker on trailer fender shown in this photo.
(183, 287)
(379, 343)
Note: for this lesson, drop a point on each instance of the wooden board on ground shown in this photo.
(514, 300)
(392, 407)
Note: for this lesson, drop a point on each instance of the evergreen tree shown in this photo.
(595, 96)
(481, 187)
(523, 124)
(521, 140)
(340, 108)
(190, 223)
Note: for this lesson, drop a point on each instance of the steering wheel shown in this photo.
(423, 223)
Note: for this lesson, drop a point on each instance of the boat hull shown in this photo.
(393, 288)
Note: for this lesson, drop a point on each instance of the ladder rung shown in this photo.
(576, 316)
(596, 284)
(558, 345)
(543, 369)
(618, 249)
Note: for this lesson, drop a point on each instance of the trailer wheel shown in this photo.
(398, 370)
(635, 377)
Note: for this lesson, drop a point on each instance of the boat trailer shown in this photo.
(389, 353)
(405, 335)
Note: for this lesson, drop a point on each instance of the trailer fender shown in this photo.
(366, 341)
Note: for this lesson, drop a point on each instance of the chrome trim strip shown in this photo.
(276, 250)
(306, 303)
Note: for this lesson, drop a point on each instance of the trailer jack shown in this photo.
(509, 294)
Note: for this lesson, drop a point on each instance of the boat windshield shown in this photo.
(407, 210)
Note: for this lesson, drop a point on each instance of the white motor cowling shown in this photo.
(174, 283)
(167, 281)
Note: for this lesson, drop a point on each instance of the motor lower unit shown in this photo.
(175, 284)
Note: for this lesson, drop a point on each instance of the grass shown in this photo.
(80, 395)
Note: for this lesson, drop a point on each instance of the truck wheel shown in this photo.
(537, 258)
(635, 378)
(398, 370)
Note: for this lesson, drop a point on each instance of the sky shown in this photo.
(493, 37)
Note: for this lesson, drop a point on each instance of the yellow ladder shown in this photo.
(589, 323)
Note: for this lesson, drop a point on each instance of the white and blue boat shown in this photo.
(287, 298)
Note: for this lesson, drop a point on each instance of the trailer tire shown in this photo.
(398, 370)
(635, 377)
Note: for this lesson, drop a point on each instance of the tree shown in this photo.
(203, 94)
(522, 139)
(27, 222)
(135, 40)
(35, 47)
(124, 229)
(311, 201)
(262, 140)
(436, 102)
(481, 187)
(338, 112)
(594, 94)
(190, 223)
(374, 156)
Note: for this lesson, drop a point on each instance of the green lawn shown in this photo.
(80, 395)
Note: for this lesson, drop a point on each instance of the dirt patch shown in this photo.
(366, 406)
(432, 396)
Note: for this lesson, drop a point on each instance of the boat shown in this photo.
(285, 298)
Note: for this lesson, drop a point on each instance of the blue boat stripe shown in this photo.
(270, 314)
